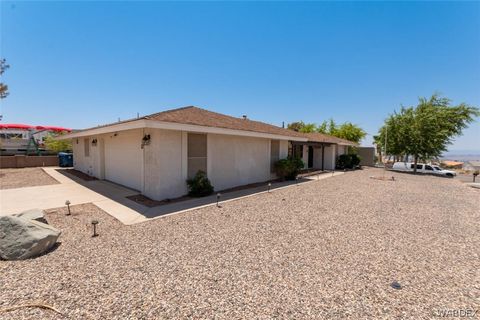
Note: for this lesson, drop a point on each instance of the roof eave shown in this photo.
(155, 124)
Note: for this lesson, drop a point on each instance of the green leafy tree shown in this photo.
(347, 130)
(323, 128)
(296, 126)
(3, 87)
(301, 126)
(309, 127)
(424, 131)
(396, 131)
(57, 145)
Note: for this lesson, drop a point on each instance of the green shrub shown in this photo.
(57, 145)
(355, 160)
(199, 186)
(288, 169)
(344, 161)
(348, 161)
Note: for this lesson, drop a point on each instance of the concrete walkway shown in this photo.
(107, 196)
(112, 199)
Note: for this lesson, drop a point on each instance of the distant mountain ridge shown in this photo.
(462, 155)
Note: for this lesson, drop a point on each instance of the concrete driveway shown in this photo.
(107, 196)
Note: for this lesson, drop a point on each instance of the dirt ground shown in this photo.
(24, 177)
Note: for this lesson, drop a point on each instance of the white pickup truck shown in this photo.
(423, 168)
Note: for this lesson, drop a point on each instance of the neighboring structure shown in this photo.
(155, 154)
(25, 139)
(367, 156)
(471, 166)
(452, 164)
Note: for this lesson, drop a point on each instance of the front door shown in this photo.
(310, 157)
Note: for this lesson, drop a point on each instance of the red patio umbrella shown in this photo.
(16, 126)
(29, 127)
(53, 128)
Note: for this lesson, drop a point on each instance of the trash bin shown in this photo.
(65, 159)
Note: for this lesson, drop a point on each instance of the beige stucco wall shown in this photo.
(367, 156)
(87, 164)
(282, 154)
(124, 158)
(317, 157)
(235, 161)
(305, 156)
(283, 149)
(165, 164)
(159, 170)
(341, 150)
(330, 157)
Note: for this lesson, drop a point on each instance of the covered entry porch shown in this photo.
(315, 155)
(320, 152)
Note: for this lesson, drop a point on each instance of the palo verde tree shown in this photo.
(53, 144)
(424, 131)
(395, 134)
(301, 126)
(347, 130)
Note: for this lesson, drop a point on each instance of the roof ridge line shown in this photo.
(167, 111)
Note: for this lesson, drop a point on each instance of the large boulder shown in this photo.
(33, 214)
(22, 238)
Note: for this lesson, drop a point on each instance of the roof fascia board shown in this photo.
(135, 124)
(154, 124)
(215, 130)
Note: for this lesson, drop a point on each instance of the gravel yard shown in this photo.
(24, 177)
(328, 249)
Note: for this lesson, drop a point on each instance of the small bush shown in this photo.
(288, 169)
(199, 186)
(348, 161)
(344, 161)
(355, 160)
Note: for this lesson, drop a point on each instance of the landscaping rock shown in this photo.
(21, 238)
(34, 214)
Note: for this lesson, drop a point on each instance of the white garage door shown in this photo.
(123, 159)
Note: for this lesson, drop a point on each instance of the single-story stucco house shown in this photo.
(155, 154)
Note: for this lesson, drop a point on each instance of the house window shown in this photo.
(274, 154)
(86, 146)
(197, 153)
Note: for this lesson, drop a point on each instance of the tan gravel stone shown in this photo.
(329, 251)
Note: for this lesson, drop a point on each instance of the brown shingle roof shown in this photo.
(201, 117)
(321, 137)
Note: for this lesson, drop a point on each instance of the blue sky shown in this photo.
(80, 64)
